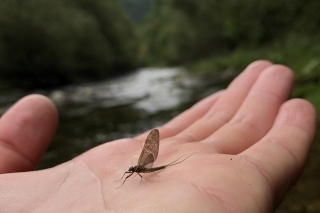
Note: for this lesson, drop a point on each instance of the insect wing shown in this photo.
(150, 150)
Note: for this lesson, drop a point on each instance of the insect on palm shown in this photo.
(148, 155)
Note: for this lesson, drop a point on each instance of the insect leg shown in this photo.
(140, 177)
(126, 178)
(122, 176)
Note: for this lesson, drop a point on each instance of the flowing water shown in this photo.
(92, 114)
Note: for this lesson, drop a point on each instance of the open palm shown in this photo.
(253, 145)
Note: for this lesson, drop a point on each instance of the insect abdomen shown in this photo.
(153, 169)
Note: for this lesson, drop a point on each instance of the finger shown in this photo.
(186, 118)
(25, 132)
(257, 113)
(226, 106)
(280, 156)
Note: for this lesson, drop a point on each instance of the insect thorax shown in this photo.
(135, 169)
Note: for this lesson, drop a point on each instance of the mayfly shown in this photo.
(148, 155)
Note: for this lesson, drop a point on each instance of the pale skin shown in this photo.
(254, 140)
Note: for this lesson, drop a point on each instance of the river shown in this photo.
(91, 114)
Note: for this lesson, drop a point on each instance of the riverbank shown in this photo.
(301, 54)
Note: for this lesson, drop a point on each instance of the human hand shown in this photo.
(254, 144)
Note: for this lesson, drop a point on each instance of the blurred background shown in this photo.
(116, 68)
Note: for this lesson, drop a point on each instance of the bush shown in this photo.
(47, 43)
(179, 31)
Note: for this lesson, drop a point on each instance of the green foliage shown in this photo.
(46, 43)
(180, 31)
(137, 9)
(165, 45)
